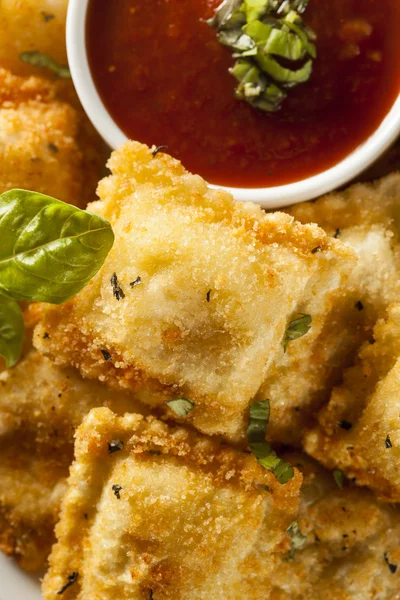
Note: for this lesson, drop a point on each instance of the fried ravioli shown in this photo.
(365, 217)
(359, 430)
(196, 295)
(40, 407)
(46, 144)
(32, 25)
(348, 543)
(171, 515)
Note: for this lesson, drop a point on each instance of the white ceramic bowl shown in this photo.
(272, 197)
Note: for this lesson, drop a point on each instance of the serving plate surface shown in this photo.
(15, 584)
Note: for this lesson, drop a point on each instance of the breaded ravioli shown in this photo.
(366, 218)
(359, 430)
(195, 298)
(40, 407)
(31, 26)
(46, 144)
(346, 545)
(171, 515)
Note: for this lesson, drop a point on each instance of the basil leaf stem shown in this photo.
(11, 330)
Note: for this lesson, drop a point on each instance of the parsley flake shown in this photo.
(392, 567)
(118, 292)
(71, 579)
(338, 476)
(115, 446)
(116, 489)
(53, 148)
(297, 328)
(388, 442)
(208, 296)
(256, 432)
(150, 594)
(38, 59)
(337, 233)
(297, 538)
(181, 406)
(137, 281)
(359, 305)
(47, 16)
(106, 354)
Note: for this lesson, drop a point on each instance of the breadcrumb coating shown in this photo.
(172, 515)
(40, 407)
(46, 144)
(359, 430)
(220, 282)
(351, 549)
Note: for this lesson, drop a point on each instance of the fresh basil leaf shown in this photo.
(256, 432)
(11, 330)
(297, 328)
(49, 249)
(38, 59)
(181, 406)
(298, 540)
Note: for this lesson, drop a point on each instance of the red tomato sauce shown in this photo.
(163, 76)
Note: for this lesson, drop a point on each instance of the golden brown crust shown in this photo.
(362, 412)
(40, 407)
(348, 534)
(192, 517)
(220, 280)
(29, 25)
(46, 144)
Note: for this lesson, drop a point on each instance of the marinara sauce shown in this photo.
(164, 78)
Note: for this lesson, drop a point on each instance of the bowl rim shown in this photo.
(272, 197)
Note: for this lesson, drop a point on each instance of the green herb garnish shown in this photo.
(297, 538)
(115, 446)
(256, 432)
(273, 47)
(388, 442)
(49, 251)
(71, 579)
(116, 489)
(338, 476)
(11, 330)
(392, 567)
(181, 406)
(38, 59)
(297, 328)
(117, 290)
